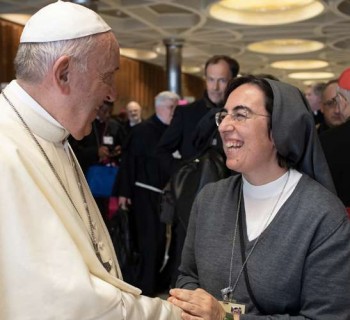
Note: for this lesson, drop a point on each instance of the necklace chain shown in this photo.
(228, 292)
(54, 171)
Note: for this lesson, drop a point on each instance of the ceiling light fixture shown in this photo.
(190, 69)
(299, 64)
(16, 17)
(265, 12)
(285, 46)
(311, 75)
(138, 54)
(308, 82)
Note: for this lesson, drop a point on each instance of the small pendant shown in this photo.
(227, 294)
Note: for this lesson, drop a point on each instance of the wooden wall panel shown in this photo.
(136, 80)
(9, 39)
(192, 86)
(142, 81)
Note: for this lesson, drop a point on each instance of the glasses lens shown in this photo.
(331, 103)
(240, 114)
(219, 116)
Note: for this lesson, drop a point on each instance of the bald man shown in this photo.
(134, 112)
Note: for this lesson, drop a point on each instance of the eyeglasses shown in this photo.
(331, 103)
(238, 114)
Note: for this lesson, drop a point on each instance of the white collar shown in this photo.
(28, 100)
(38, 119)
(264, 191)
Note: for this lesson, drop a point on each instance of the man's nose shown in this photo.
(112, 94)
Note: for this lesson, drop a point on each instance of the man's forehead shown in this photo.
(219, 66)
(134, 107)
(330, 89)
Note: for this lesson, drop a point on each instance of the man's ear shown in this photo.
(61, 72)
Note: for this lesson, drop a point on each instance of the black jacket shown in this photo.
(139, 160)
(336, 147)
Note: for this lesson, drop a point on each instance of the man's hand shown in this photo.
(103, 153)
(124, 202)
(197, 304)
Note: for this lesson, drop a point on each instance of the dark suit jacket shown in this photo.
(318, 117)
(336, 146)
(139, 159)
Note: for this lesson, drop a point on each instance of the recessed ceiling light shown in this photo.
(308, 82)
(190, 69)
(311, 75)
(265, 12)
(299, 64)
(138, 54)
(285, 46)
(17, 18)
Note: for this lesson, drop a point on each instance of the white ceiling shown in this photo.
(144, 24)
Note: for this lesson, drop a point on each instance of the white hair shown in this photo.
(34, 60)
(345, 93)
(165, 96)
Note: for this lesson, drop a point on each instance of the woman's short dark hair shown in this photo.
(265, 87)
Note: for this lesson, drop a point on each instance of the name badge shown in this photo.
(107, 140)
(230, 306)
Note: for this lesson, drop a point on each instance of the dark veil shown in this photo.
(295, 135)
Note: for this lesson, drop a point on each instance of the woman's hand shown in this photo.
(197, 304)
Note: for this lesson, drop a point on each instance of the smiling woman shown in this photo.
(247, 141)
(243, 229)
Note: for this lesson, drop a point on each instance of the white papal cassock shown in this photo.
(48, 266)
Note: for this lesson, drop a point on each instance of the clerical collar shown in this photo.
(39, 120)
(264, 191)
(28, 100)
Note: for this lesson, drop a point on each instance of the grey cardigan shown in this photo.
(300, 268)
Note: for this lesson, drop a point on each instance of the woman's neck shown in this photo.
(264, 176)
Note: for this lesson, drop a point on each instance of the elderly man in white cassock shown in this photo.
(56, 258)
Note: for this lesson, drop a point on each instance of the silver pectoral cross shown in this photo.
(227, 294)
(107, 265)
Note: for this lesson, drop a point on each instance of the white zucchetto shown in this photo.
(62, 21)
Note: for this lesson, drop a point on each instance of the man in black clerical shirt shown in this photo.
(190, 133)
(140, 184)
(180, 135)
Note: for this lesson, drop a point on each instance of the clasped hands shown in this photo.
(196, 304)
(104, 152)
